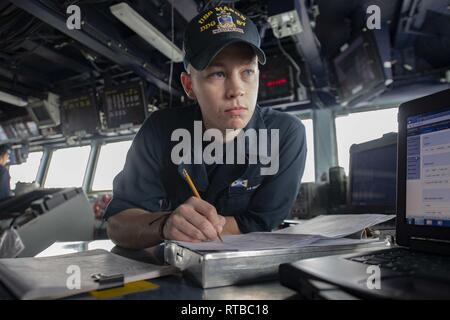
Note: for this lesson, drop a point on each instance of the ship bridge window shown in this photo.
(25, 172)
(361, 127)
(309, 175)
(67, 167)
(110, 162)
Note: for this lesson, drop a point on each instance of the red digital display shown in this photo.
(277, 83)
(274, 83)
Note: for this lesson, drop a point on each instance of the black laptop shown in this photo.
(419, 266)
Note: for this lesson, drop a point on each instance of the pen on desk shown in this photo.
(194, 191)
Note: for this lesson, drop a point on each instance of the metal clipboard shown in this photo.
(216, 269)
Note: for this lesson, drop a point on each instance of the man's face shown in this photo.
(4, 158)
(227, 90)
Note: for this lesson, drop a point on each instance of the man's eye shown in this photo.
(218, 74)
(249, 72)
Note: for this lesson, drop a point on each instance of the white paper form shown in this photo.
(252, 241)
(340, 242)
(337, 226)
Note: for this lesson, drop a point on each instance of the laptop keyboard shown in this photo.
(409, 263)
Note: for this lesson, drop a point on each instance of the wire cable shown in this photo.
(171, 61)
(291, 60)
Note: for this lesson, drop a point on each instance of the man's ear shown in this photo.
(186, 81)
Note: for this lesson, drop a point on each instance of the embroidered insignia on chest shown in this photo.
(240, 183)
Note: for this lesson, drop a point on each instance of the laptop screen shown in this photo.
(428, 169)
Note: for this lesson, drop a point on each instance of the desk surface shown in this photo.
(175, 287)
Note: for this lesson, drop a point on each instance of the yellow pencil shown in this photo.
(194, 190)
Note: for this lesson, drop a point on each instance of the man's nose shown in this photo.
(234, 87)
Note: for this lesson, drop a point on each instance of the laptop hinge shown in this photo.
(430, 245)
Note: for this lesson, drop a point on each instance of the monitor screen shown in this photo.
(358, 70)
(32, 128)
(3, 136)
(428, 169)
(41, 113)
(276, 81)
(21, 130)
(18, 156)
(10, 131)
(373, 175)
(125, 105)
(79, 114)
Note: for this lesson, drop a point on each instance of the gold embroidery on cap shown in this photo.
(207, 26)
(225, 8)
(205, 17)
(226, 23)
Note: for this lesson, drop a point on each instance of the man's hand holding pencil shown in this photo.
(195, 220)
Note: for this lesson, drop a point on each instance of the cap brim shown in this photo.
(202, 60)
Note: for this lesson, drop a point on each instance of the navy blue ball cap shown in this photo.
(214, 29)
